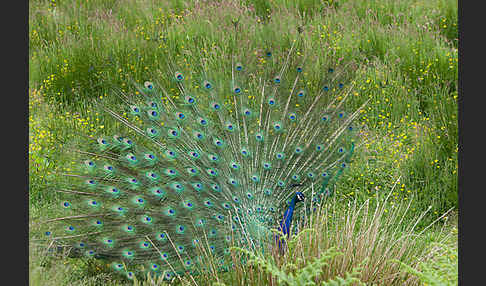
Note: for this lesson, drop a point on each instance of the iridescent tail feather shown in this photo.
(205, 161)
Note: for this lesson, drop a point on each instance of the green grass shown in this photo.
(370, 242)
(442, 269)
(402, 56)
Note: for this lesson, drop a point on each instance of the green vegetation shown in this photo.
(402, 55)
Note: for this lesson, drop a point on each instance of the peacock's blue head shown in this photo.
(299, 197)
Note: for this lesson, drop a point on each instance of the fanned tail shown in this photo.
(210, 156)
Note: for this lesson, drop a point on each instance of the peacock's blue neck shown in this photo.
(284, 226)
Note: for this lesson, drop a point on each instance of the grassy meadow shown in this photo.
(393, 219)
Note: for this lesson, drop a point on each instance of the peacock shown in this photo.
(206, 160)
